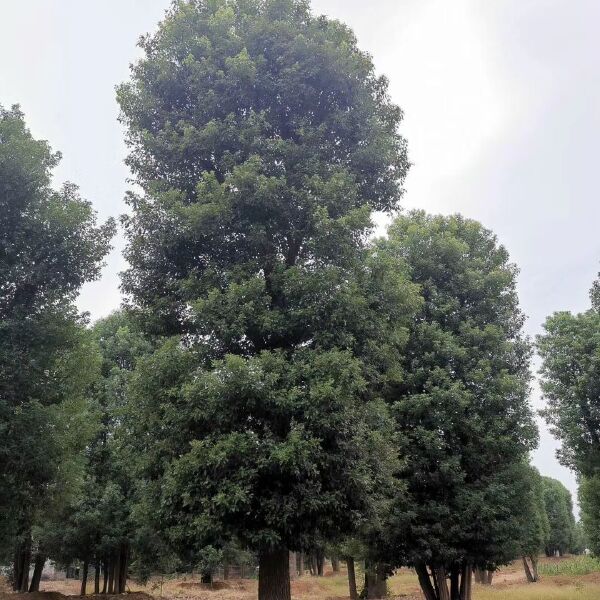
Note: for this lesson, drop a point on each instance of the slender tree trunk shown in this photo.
(335, 564)
(352, 578)
(123, 566)
(225, 571)
(274, 575)
(97, 577)
(425, 582)
(84, 576)
(489, 577)
(301, 564)
(25, 565)
(111, 575)
(528, 573)
(117, 572)
(105, 582)
(38, 567)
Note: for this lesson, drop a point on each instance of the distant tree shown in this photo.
(570, 351)
(262, 140)
(559, 509)
(589, 503)
(465, 425)
(535, 527)
(50, 245)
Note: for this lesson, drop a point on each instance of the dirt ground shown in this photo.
(509, 584)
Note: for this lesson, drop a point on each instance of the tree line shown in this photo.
(278, 379)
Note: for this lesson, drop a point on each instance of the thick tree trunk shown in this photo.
(320, 563)
(352, 578)
(84, 576)
(534, 567)
(97, 577)
(335, 564)
(293, 566)
(425, 582)
(375, 581)
(38, 567)
(466, 582)
(25, 563)
(117, 572)
(489, 577)
(123, 566)
(274, 575)
(441, 583)
(455, 583)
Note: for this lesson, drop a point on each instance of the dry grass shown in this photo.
(509, 584)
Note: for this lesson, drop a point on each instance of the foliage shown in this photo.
(461, 408)
(559, 508)
(50, 245)
(262, 140)
(570, 349)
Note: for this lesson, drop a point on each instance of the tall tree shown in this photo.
(559, 509)
(262, 140)
(50, 245)
(461, 408)
(570, 351)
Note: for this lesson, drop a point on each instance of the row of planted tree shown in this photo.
(278, 379)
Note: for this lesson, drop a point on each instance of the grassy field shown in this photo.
(571, 578)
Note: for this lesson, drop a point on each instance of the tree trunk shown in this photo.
(293, 566)
(466, 582)
(375, 581)
(528, 573)
(352, 578)
(116, 572)
(455, 582)
(335, 564)
(123, 566)
(301, 564)
(320, 563)
(225, 571)
(105, 582)
(425, 582)
(38, 567)
(274, 575)
(97, 577)
(84, 576)
(111, 576)
(25, 563)
(534, 566)
(490, 575)
(440, 582)
(206, 578)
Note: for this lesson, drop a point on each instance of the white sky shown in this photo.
(502, 118)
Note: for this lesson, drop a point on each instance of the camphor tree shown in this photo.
(559, 509)
(461, 408)
(50, 244)
(535, 527)
(262, 141)
(570, 351)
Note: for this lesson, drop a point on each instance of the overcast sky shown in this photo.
(502, 116)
